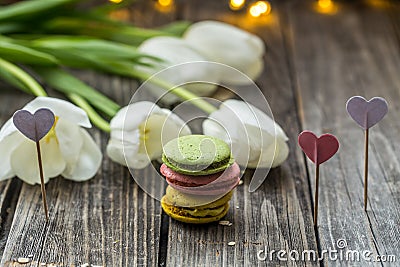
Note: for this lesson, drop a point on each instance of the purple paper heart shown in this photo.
(367, 113)
(34, 126)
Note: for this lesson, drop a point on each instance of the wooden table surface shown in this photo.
(314, 62)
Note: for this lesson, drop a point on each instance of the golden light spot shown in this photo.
(52, 133)
(263, 6)
(116, 1)
(324, 3)
(254, 12)
(165, 6)
(165, 3)
(260, 8)
(236, 4)
(326, 7)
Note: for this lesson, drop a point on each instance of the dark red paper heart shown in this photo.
(318, 149)
(34, 126)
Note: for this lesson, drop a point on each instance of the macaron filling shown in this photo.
(201, 174)
(198, 167)
(195, 170)
(177, 198)
(194, 212)
(213, 184)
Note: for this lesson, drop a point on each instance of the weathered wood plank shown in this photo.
(278, 215)
(354, 51)
(319, 59)
(11, 100)
(106, 221)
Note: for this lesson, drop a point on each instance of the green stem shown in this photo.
(92, 114)
(179, 91)
(38, 90)
(23, 77)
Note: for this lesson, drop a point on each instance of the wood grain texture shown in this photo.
(352, 52)
(314, 62)
(278, 215)
(106, 221)
(9, 189)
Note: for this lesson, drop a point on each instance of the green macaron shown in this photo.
(197, 155)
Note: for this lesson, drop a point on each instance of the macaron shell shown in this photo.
(186, 180)
(197, 155)
(195, 212)
(214, 184)
(174, 197)
(179, 214)
(206, 171)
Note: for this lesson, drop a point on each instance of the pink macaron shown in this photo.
(213, 184)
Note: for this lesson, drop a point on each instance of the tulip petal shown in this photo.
(210, 127)
(130, 117)
(70, 140)
(7, 145)
(7, 129)
(138, 131)
(282, 153)
(122, 154)
(127, 154)
(251, 115)
(25, 165)
(232, 76)
(160, 128)
(228, 127)
(256, 140)
(181, 65)
(89, 161)
(60, 108)
(229, 45)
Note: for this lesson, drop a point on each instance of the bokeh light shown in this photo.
(236, 4)
(326, 7)
(325, 3)
(165, 6)
(260, 8)
(165, 3)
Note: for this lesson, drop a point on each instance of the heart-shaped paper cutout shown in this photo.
(367, 113)
(34, 126)
(318, 149)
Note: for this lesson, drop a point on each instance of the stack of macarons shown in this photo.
(201, 174)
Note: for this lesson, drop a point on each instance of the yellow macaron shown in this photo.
(191, 209)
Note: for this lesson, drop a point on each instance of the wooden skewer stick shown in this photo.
(35, 127)
(39, 155)
(318, 150)
(316, 195)
(366, 114)
(366, 170)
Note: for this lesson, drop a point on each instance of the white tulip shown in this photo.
(67, 150)
(181, 64)
(138, 132)
(229, 45)
(256, 140)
